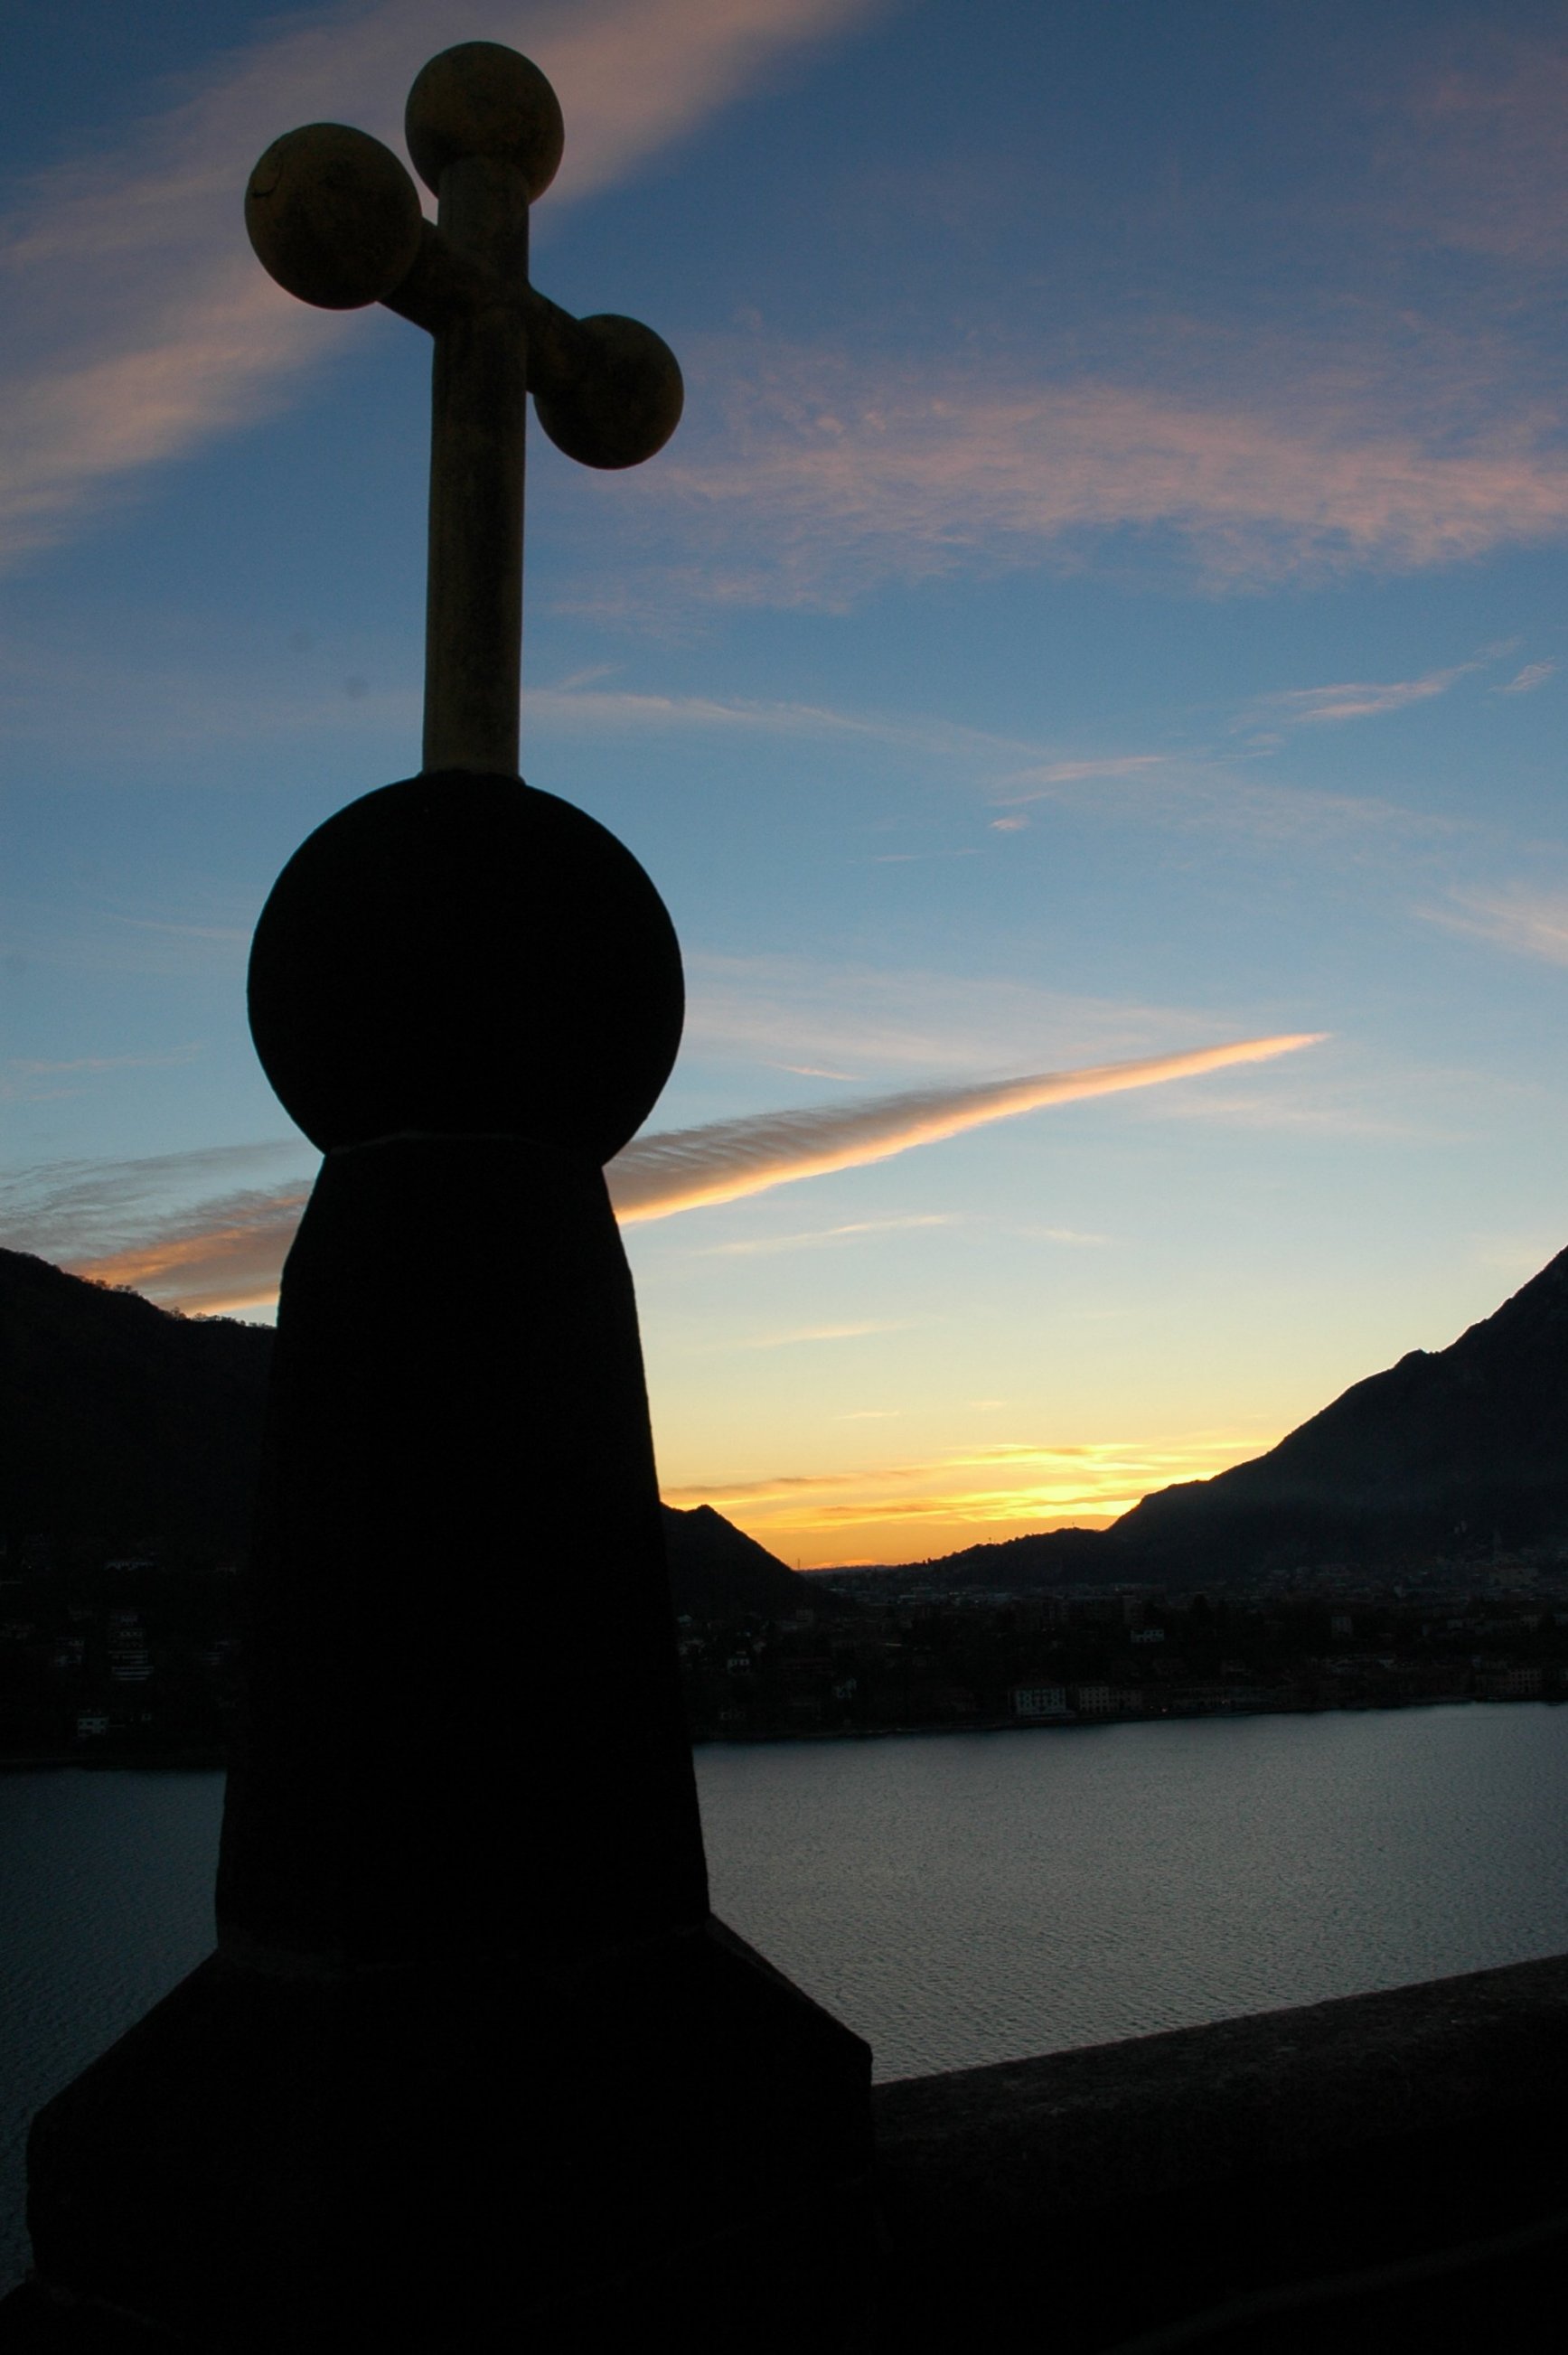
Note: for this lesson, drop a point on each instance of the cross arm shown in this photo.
(607, 390)
(334, 217)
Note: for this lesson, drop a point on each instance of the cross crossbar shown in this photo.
(334, 216)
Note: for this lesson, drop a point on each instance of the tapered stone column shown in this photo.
(473, 2065)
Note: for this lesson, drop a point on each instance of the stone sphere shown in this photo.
(459, 954)
(626, 404)
(332, 215)
(480, 99)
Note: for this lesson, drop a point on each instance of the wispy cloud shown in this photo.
(825, 479)
(1182, 789)
(158, 1225)
(1300, 707)
(1226, 794)
(1050, 773)
(692, 1168)
(140, 323)
(232, 1260)
(1526, 918)
(33, 1079)
(603, 710)
(1532, 676)
(815, 1333)
(876, 1021)
(111, 1221)
(1480, 161)
(817, 1238)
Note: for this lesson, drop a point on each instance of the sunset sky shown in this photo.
(1088, 677)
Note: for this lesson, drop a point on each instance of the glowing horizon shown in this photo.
(995, 676)
(919, 1510)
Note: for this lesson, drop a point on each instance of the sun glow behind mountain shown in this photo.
(997, 675)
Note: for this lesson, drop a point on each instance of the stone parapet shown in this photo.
(1378, 2171)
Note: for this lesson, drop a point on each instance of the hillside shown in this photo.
(1448, 1451)
(124, 1427)
(127, 1428)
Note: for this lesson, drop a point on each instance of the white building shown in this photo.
(1039, 1700)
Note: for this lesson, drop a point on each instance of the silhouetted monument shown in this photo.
(473, 2067)
(473, 2059)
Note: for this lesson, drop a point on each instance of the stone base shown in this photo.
(678, 2141)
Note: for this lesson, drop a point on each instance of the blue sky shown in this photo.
(1106, 601)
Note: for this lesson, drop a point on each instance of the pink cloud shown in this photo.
(139, 324)
(1526, 681)
(853, 476)
(1363, 699)
(1481, 160)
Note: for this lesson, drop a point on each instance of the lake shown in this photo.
(957, 1898)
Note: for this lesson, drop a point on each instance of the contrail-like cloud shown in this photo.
(225, 1252)
(690, 1168)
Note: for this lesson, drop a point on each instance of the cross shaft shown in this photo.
(334, 217)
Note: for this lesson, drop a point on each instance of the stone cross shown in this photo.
(473, 2064)
(334, 217)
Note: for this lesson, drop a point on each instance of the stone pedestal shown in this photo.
(473, 2057)
(663, 2145)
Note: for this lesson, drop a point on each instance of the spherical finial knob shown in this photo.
(480, 99)
(333, 216)
(625, 403)
(459, 954)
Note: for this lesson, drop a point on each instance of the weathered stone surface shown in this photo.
(1126, 2188)
(266, 2163)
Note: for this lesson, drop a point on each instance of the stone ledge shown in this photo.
(1107, 2193)
(1377, 2174)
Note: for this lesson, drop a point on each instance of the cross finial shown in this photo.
(334, 216)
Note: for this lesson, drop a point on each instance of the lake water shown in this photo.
(957, 1898)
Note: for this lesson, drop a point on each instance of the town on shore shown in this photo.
(133, 1660)
(1408, 1543)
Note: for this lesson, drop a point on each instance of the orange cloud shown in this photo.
(913, 1510)
(687, 1169)
(224, 1254)
(221, 1259)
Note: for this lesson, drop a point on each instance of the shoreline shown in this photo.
(208, 1762)
(1078, 1724)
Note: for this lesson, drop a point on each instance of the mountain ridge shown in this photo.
(130, 1426)
(103, 1394)
(1447, 1451)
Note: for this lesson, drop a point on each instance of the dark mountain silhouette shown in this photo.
(1447, 1453)
(125, 1427)
(122, 1426)
(715, 1568)
(1019, 1565)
